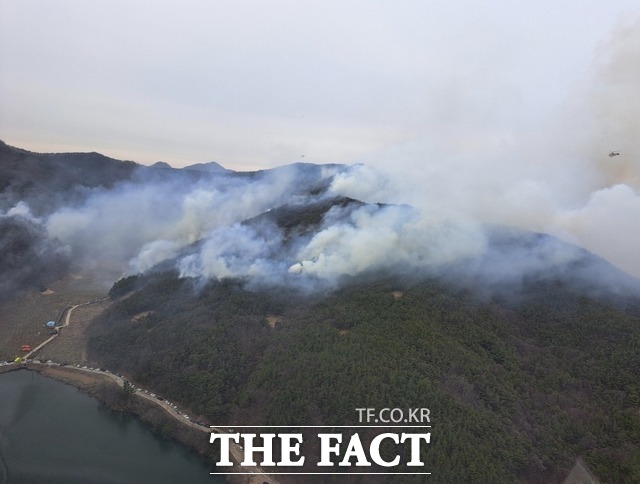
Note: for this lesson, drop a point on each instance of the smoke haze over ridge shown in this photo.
(230, 225)
(552, 176)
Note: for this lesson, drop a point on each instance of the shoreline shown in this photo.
(104, 387)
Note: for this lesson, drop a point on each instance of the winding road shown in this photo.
(236, 450)
(68, 311)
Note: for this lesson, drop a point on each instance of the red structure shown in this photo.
(25, 348)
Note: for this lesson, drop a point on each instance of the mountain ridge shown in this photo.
(299, 209)
(269, 298)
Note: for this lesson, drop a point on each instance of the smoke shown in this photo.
(385, 238)
(30, 260)
(553, 176)
(142, 223)
(608, 224)
(435, 205)
(295, 226)
(21, 210)
(604, 216)
(138, 224)
(238, 251)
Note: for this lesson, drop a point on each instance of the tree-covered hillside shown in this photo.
(518, 388)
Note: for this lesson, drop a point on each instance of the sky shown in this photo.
(497, 111)
(254, 84)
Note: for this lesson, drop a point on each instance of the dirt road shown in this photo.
(87, 376)
(256, 474)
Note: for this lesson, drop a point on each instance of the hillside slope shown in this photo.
(517, 388)
(273, 298)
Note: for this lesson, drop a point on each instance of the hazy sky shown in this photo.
(500, 111)
(260, 83)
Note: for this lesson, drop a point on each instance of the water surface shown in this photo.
(52, 433)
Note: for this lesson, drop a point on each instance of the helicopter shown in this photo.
(614, 153)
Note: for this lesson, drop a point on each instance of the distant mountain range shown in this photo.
(47, 180)
(35, 186)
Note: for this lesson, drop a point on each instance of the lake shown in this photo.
(51, 432)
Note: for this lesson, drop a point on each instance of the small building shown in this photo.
(51, 324)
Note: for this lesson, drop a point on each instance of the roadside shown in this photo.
(22, 320)
(95, 382)
(62, 356)
(70, 346)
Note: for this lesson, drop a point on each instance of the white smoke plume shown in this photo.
(555, 176)
(437, 195)
(387, 237)
(144, 223)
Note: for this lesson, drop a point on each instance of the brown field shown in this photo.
(22, 320)
(70, 346)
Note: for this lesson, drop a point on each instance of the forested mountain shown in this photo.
(45, 180)
(519, 385)
(67, 211)
(279, 297)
